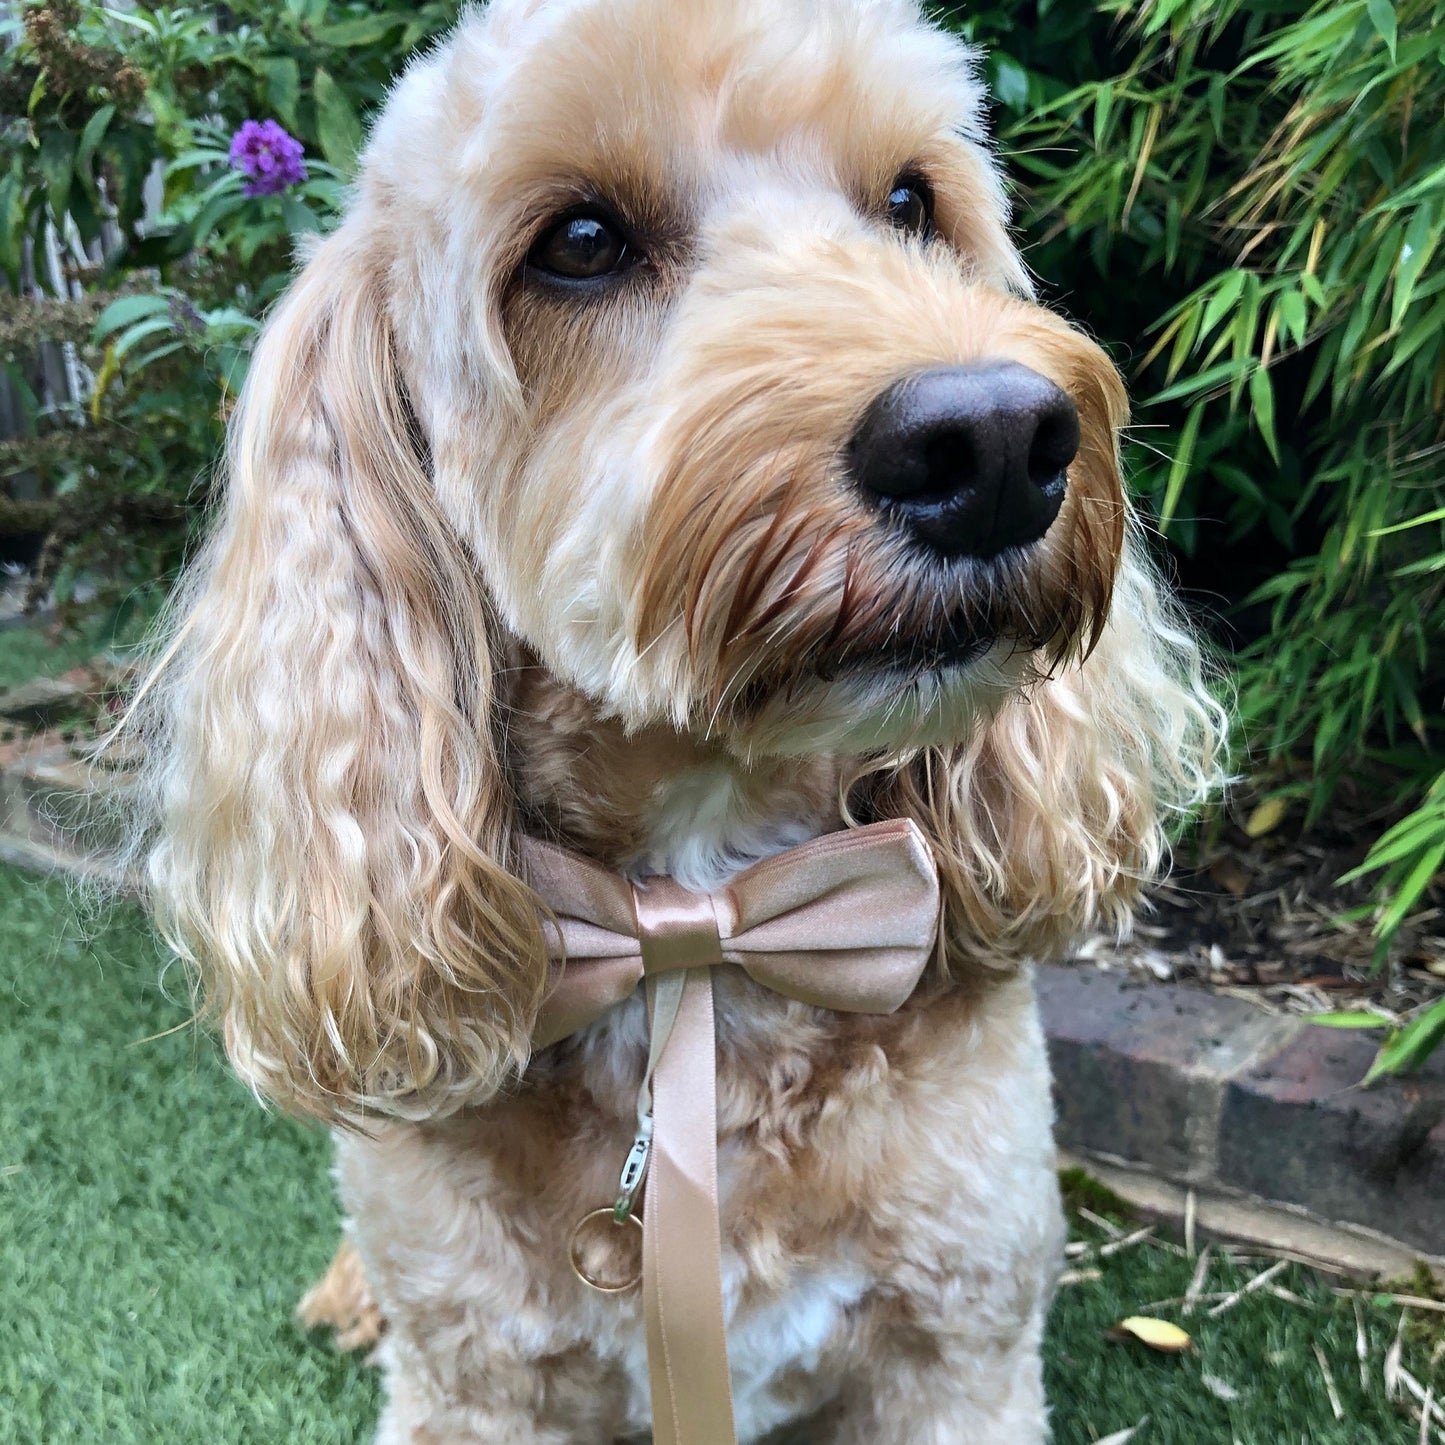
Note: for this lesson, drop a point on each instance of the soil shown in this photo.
(1265, 917)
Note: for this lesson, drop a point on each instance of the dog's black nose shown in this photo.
(972, 458)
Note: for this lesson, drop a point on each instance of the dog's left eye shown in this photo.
(581, 247)
(910, 208)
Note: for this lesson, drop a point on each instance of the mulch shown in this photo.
(1258, 912)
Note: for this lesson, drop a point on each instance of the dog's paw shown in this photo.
(341, 1301)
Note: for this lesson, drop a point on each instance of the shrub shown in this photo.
(1251, 193)
(120, 124)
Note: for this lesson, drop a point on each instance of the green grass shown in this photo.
(155, 1225)
(156, 1228)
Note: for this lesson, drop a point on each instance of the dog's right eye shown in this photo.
(581, 247)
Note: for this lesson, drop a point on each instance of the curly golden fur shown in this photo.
(500, 557)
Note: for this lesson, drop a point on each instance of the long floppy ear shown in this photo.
(1048, 821)
(330, 839)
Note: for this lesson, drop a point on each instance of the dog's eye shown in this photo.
(910, 208)
(581, 247)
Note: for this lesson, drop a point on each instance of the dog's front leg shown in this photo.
(972, 1387)
(498, 1398)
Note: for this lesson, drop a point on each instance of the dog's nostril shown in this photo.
(1054, 446)
(974, 460)
(948, 453)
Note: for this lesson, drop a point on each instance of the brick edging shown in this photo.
(1209, 1092)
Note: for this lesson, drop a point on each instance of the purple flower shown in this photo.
(270, 159)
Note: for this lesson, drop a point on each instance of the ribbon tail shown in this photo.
(682, 1238)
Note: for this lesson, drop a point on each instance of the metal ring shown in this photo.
(601, 1286)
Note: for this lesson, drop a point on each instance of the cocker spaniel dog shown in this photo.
(663, 465)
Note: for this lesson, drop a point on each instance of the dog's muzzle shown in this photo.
(973, 460)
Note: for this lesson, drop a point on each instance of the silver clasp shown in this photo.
(634, 1170)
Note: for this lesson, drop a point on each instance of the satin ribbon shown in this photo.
(846, 922)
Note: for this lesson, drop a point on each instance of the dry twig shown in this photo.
(1362, 1345)
(1127, 1242)
(1258, 1282)
(1122, 1437)
(1337, 1409)
(1196, 1284)
(1405, 1301)
(1099, 1222)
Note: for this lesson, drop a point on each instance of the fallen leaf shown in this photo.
(1220, 1389)
(1157, 1334)
(1266, 817)
(1230, 874)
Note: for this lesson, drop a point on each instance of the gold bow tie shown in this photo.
(846, 922)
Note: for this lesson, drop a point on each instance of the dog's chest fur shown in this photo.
(870, 1168)
(858, 1155)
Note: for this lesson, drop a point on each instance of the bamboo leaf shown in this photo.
(1418, 246)
(1382, 17)
(1261, 400)
(1227, 294)
(1179, 465)
(1411, 1045)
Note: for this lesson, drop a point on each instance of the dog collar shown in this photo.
(845, 922)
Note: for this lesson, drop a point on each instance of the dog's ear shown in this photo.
(1046, 823)
(331, 826)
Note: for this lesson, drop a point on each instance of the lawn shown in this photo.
(156, 1228)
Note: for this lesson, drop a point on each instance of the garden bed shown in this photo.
(1258, 913)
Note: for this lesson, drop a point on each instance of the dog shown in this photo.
(667, 458)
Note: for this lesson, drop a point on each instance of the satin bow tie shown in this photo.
(846, 922)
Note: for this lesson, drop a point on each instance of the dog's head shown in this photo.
(682, 345)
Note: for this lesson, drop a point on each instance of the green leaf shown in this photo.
(299, 217)
(127, 310)
(1179, 466)
(134, 335)
(337, 126)
(1103, 106)
(1410, 890)
(1382, 17)
(1293, 317)
(1195, 385)
(57, 165)
(1418, 246)
(1438, 515)
(1261, 400)
(364, 30)
(1358, 1019)
(90, 138)
(1410, 1047)
(283, 87)
(1225, 296)
(1010, 83)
